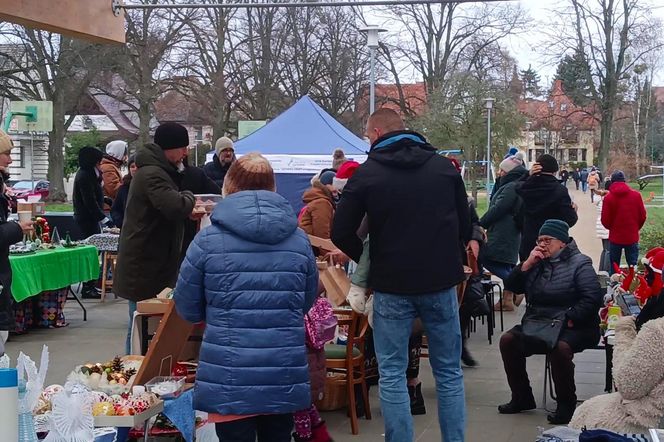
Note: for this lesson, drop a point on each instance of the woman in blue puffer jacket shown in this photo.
(251, 276)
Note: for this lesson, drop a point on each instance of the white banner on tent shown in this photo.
(303, 164)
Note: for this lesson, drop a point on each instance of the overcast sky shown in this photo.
(527, 48)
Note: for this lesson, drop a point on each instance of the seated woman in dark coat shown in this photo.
(558, 277)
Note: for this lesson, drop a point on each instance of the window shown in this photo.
(538, 153)
(530, 155)
(563, 107)
(552, 104)
(573, 155)
(583, 154)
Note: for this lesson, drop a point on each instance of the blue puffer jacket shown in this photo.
(251, 276)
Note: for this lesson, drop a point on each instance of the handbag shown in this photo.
(475, 297)
(544, 324)
(320, 324)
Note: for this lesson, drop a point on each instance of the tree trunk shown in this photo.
(606, 126)
(56, 160)
(143, 123)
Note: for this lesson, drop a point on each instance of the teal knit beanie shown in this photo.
(555, 228)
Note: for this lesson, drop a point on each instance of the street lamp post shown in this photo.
(489, 106)
(372, 43)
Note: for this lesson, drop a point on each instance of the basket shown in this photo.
(335, 395)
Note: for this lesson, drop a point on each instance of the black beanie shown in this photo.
(171, 136)
(548, 162)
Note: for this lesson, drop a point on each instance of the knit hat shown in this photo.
(511, 152)
(171, 136)
(117, 149)
(326, 177)
(6, 143)
(223, 143)
(548, 162)
(344, 173)
(556, 228)
(251, 172)
(512, 162)
(618, 176)
(338, 158)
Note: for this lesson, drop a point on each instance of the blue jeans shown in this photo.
(393, 323)
(500, 269)
(631, 254)
(584, 186)
(132, 309)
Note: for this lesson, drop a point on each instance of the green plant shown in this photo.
(652, 234)
(74, 143)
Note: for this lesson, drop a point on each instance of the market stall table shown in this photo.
(49, 274)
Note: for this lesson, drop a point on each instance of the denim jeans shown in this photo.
(268, 428)
(500, 269)
(132, 309)
(393, 322)
(584, 186)
(631, 253)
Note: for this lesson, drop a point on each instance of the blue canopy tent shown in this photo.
(299, 143)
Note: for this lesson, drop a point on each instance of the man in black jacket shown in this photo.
(89, 202)
(417, 208)
(222, 160)
(543, 198)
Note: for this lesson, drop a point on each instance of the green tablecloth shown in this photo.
(52, 270)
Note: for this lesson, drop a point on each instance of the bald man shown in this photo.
(417, 208)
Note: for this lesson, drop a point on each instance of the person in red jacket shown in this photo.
(623, 213)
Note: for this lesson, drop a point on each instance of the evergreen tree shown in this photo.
(572, 71)
(530, 80)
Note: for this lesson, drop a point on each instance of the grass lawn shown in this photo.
(59, 207)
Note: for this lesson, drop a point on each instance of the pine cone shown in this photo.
(129, 373)
(117, 366)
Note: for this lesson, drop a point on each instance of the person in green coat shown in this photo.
(501, 252)
(154, 223)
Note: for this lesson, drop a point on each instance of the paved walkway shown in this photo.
(103, 336)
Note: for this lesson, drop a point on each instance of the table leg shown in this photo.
(78, 300)
(144, 334)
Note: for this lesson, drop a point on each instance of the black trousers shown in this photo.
(516, 347)
(88, 229)
(268, 428)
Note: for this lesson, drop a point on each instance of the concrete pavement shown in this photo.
(103, 336)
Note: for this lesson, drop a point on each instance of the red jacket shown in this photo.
(623, 213)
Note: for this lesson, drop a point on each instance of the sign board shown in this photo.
(91, 20)
(300, 164)
(247, 127)
(41, 119)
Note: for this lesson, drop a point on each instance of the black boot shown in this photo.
(563, 414)
(417, 406)
(89, 291)
(466, 357)
(517, 405)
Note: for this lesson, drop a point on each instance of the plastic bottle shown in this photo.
(8, 404)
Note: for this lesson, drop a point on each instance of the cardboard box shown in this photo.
(37, 209)
(157, 306)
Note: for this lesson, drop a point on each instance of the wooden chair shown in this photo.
(108, 263)
(348, 360)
